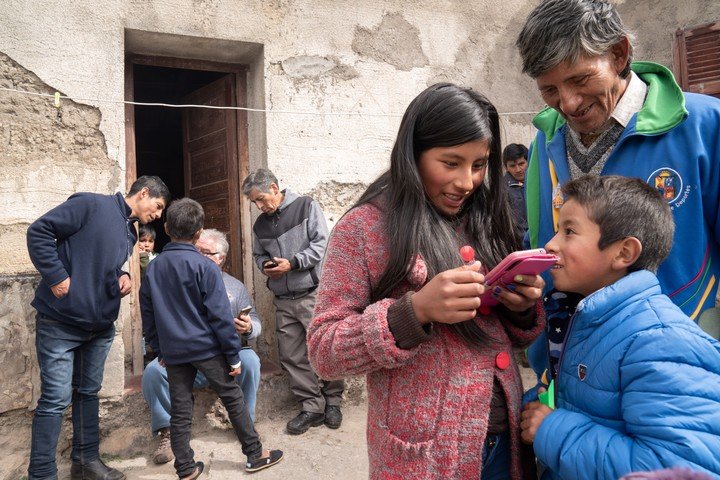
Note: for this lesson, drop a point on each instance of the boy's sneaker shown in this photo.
(304, 421)
(270, 458)
(163, 453)
(199, 467)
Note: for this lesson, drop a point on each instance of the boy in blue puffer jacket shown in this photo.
(638, 384)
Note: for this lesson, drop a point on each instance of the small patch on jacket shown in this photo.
(582, 372)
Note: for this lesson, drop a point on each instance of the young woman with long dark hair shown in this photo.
(396, 302)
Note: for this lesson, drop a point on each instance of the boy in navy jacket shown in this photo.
(79, 248)
(187, 322)
(637, 383)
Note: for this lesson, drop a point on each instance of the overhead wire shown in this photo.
(56, 96)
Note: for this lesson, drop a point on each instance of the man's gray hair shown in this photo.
(560, 30)
(219, 238)
(261, 179)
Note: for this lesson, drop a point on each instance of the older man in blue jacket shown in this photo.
(609, 116)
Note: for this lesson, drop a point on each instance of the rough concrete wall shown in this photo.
(654, 24)
(44, 158)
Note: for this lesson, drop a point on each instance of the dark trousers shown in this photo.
(292, 318)
(71, 364)
(181, 378)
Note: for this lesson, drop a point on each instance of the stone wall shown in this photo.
(19, 372)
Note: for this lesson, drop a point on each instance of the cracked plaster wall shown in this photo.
(324, 55)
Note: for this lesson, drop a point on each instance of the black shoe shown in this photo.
(95, 470)
(199, 467)
(259, 463)
(333, 416)
(304, 421)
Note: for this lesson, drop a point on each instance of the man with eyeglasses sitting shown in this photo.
(214, 245)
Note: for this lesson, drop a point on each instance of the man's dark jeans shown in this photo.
(71, 364)
(181, 378)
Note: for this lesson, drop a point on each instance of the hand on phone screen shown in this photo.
(525, 262)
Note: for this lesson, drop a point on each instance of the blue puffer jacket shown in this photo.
(638, 388)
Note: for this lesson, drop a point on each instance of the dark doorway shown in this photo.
(158, 130)
(200, 153)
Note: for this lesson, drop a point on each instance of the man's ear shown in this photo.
(629, 249)
(165, 228)
(196, 236)
(620, 53)
(274, 189)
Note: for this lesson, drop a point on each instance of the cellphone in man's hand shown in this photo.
(246, 310)
(270, 264)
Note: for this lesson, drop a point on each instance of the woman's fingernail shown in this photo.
(518, 278)
(511, 287)
(497, 290)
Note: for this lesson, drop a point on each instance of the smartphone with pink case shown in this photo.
(523, 262)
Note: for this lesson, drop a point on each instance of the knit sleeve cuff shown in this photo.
(524, 320)
(404, 326)
(294, 264)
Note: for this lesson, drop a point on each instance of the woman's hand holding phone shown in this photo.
(522, 294)
(515, 282)
(451, 296)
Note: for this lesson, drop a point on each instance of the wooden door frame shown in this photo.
(243, 169)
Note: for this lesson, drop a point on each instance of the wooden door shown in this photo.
(210, 150)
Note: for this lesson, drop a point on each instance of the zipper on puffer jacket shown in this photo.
(564, 347)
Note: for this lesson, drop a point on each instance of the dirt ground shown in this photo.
(321, 453)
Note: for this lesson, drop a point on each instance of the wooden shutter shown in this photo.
(697, 59)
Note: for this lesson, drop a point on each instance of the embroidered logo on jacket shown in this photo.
(668, 182)
(582, 372)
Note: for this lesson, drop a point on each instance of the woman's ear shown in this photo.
(629, 249)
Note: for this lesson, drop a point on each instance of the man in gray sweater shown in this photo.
(289, 241)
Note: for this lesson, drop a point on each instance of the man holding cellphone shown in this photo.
(155, 387)
(289, 241)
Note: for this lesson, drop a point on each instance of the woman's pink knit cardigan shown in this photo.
(427, 406)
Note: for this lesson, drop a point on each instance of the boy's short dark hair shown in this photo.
(514, 151)
(146, 231)
(626, 207)
(155, 186)
(185, 217)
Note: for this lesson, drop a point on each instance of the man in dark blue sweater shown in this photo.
(79, 248)
(187, 321)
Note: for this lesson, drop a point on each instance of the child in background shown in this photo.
(146, 246)
(515, 163)
(191, 328)
(637, 386)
